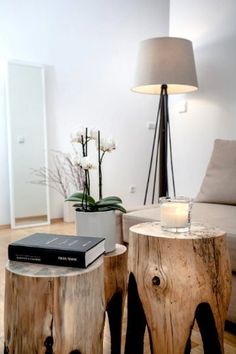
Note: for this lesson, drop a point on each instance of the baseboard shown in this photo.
(3, 227)
(230, 327)
(53, 221)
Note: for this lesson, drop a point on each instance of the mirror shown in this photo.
(27, 144)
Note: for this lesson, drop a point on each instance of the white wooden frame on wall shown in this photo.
(31, 222)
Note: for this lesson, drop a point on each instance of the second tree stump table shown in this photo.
(175, 279)
(51, 309)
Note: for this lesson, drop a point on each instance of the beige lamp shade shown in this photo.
(166, 60)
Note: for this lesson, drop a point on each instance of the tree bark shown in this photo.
(54, 309)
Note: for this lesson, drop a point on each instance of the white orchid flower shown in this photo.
(107, 144)
(86, 163)
(73, 138)
(80, 134)
(93, 134)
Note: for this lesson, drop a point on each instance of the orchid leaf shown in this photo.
(112, 207)
(76, 195)
(109, 200)
(80, 197)
(84, 202)
(73, 199)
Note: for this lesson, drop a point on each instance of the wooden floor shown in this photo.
(8, 235)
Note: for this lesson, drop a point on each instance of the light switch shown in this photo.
(21, 139)
(182, 106)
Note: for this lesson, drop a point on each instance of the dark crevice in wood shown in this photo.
(114, 311)
(48, 343)
(207, 327)
(136, 320)
(230, 327)
(6, 350)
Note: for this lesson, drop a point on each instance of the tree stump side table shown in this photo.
(115, 282)
(175, 278)
(51, 309)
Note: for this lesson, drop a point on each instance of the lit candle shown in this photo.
(174, 214)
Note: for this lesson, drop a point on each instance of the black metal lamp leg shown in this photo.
(153, 148)
(160, 148)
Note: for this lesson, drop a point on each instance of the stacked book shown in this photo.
(60, 250)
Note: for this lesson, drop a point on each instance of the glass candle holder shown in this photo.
(175, 214)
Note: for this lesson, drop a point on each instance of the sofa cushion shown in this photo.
(222, 216)
(219, 185)
(144, 214)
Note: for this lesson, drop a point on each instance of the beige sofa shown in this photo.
(215, 205)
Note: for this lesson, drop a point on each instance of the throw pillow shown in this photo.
(219, 183)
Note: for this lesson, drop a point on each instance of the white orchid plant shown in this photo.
(83, 200)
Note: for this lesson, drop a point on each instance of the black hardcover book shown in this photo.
(60, 250)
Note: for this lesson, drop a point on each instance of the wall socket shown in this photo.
(151, 125)
(132, 189)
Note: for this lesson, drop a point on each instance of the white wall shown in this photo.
(212, 110)
(90, 48)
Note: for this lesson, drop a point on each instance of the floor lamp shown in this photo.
(165, 66)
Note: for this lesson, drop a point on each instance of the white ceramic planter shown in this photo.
(68, 212)
(98, 224)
